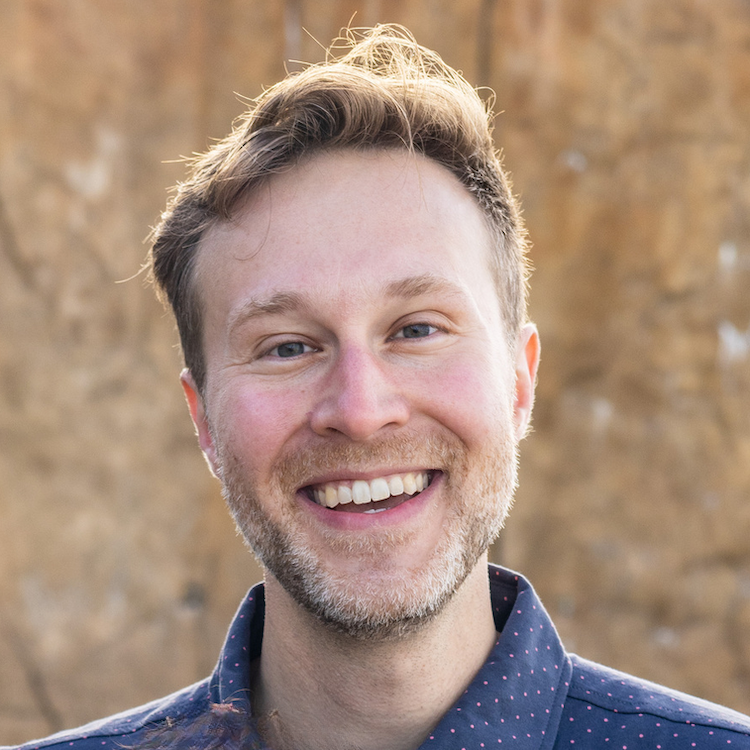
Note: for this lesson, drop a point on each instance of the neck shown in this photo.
(319, 690)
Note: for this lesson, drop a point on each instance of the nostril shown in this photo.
(359, 397)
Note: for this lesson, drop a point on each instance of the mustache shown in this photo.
(434, 451)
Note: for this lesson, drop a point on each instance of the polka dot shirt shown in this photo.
(529, 695)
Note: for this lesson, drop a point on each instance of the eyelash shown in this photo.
(432, 330)
(307, 348)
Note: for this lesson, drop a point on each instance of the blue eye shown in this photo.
(416, 331)
(290, 349)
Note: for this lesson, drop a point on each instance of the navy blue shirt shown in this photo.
(530, 694)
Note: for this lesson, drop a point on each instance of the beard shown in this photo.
(381, 601)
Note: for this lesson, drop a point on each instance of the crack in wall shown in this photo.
(34, 677)
(485, 41)
(11, 249)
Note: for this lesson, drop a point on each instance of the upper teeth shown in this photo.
(360, 491)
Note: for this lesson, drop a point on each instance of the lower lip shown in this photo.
(384, 518)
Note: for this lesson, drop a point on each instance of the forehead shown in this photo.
(345, 220)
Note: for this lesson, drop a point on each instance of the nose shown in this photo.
(358, 398)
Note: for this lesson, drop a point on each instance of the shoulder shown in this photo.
(611, 708)
(128, 728)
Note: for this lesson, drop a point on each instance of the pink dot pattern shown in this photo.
(529, 695)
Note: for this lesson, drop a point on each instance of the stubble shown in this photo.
(388, 602)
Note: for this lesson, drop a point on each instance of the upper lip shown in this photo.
(345, 475)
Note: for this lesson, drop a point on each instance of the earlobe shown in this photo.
(200, 419)
(527, 362)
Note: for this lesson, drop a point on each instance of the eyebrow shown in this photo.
(281, 303)
(277, 304)
(416, 286)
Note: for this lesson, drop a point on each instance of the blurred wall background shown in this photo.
(626, 125)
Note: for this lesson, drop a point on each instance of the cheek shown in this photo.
(472, 399)
(256, 424)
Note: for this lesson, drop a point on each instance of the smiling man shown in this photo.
(348, 277)
(350, 318)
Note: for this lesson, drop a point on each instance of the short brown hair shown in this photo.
(384, 92)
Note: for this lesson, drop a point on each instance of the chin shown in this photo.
(372, 594)
(381, 602)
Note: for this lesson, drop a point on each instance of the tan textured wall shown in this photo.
(627, 127)
(628, 131)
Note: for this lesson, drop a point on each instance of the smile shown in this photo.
(381, 493)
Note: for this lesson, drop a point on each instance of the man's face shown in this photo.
(361, 406)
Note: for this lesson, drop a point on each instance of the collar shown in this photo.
(516, 698)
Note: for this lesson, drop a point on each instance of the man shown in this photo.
(348, 277)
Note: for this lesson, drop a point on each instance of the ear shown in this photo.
(200, 420)
(527, 361)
